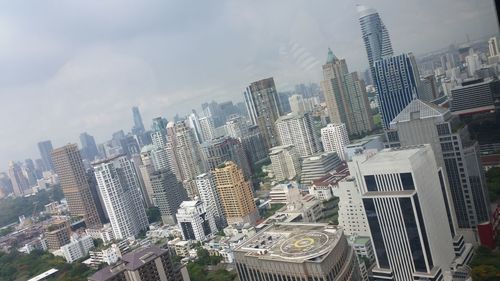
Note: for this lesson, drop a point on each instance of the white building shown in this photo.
(119, 187)
(195, 222)
(78, 248)
(284, 162)
(371, 143)
(297, 104)
(207, 128)
(297, 130)
(109, 255)
(279, 193)
(105, 233)
(319, 165)
(335, 139)
(352, 215)
(473, 62)
(209, 195)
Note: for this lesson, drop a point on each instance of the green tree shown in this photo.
(154, 214)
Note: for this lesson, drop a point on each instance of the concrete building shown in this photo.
(146, 168)
(352, 216)
(222, 149)
(318, 165)
(335, 139)
(207, 128)
(74, 183)
(144, 264)
(284, 162)
(209, 195)
(168, 194)
(20, 184)
(119, 188)
(57, 235)
(372, 143)
(297, 130)
(475, 96)
(235, 194)
(297, 104)
(89, 147)
(77, 248)
(195, 221)
(261, 99)
(296, 251)
(249, 136)
(45, 148)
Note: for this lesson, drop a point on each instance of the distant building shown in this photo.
(195, 221)
(89, 147)
(284, 162)
(168, 194)
(249, 136)
(207, 128)
(298, 130)
(209, 195)
(77, 248)
(138, 127)
(297, 104)
(45, 148)
(372, 142)
(219, 150)
(318, 165)
(335, 139)
(300, 250)
(57, 235)
(20, 184)
(475, 96)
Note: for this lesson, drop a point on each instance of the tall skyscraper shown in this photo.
(335, 139)
(421, 123)
(298, 130)
(285, 162)
(20, 183)
(297, 104)
(207, 128)
(345, 95)
(263, 108)
(220, 150)
(89, 147)
(147, 167)
(209, 194)
(45, 148)
(375, 36)
(249, 136)
(397, 81)
(405, 208)
(168, 194)
(120, 191)
(235, 194)
(138, 124)
(71, 173)
(195, 221)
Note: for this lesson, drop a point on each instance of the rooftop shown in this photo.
(418, 109)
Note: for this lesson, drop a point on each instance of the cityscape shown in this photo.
(391, 172)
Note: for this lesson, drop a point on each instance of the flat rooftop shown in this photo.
(292, 242)
(395, 154)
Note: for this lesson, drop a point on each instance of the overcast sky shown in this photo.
(72, 66)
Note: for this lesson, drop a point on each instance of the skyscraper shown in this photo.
(375, 36)
(195, 221)
(146, 168)
(207, 128)
(168, 194)
(120, 191)
(220, 150)
(284, 162)
(235, 194)
(397, 81)
(209, 194)
(297, 130)
(19, 181)
(345, 95)
(138, 124)
(405, 208)
(45, 148)
(89, 147)
(335, 139)
(249, 136)
(263, 108)
(71, 173)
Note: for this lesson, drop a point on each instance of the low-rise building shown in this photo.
(195, 222)
(105, 233)
(78, 248)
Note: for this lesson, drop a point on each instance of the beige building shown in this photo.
(57, 235)
(235, 194)
(71, 173)
(284, 162)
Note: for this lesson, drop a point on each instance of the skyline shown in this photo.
(93, 78)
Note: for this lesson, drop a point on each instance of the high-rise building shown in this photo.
(120, 191)
(138, 124)
(297, 104)
(345, 95)
(398, 82)
(476, 96)
(285, 162)
(20, 183)
(375, 36)
(297, 251)
(195, 221)
(129, 145)
(96, 196)
(147, 167)
(263, 108)
(249, 136)
(193, 122)
(421, 123)
(335, 139)
(352, 216)
(209, 195)
(159, 132)
(220, 150)
(405, 208)
(45, 148)
(57, 234)
(168, 194)
(473, 63)
(317, 166)
(235, 194)
(207, 128)
(71, 173)
(89, 147)
(298, 130)
(143, 264)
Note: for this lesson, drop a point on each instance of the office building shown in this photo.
(296, 251)
(57, 235)
(129, 146)
(20, 184)
(494, 54)
(249, 136)
(89, 147)
(168, 193)
(146, 168)
(209, 195)
(220, 150)
(285, 162)
(264, 109)
(74, 184)
(96, 196)
(372, 142)
(402, 196)
(475, 96)
(421, 123)
(138, 127)
(352, 216)
(297, 104)
(298, 130)
(195, 222)
(45, 148)
(317, 166)
(143, 264)
(78, 248)
(345, 95)
(398, 81)
(236, 194)
(375, 36)
(335, 139)
(119, 188)
(207, 128)
(473, 64)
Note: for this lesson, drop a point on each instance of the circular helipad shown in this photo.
(304, 244)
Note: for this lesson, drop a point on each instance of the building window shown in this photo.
(371, 184)
(407, 181)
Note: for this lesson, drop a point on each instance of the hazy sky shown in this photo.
(72, 66)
